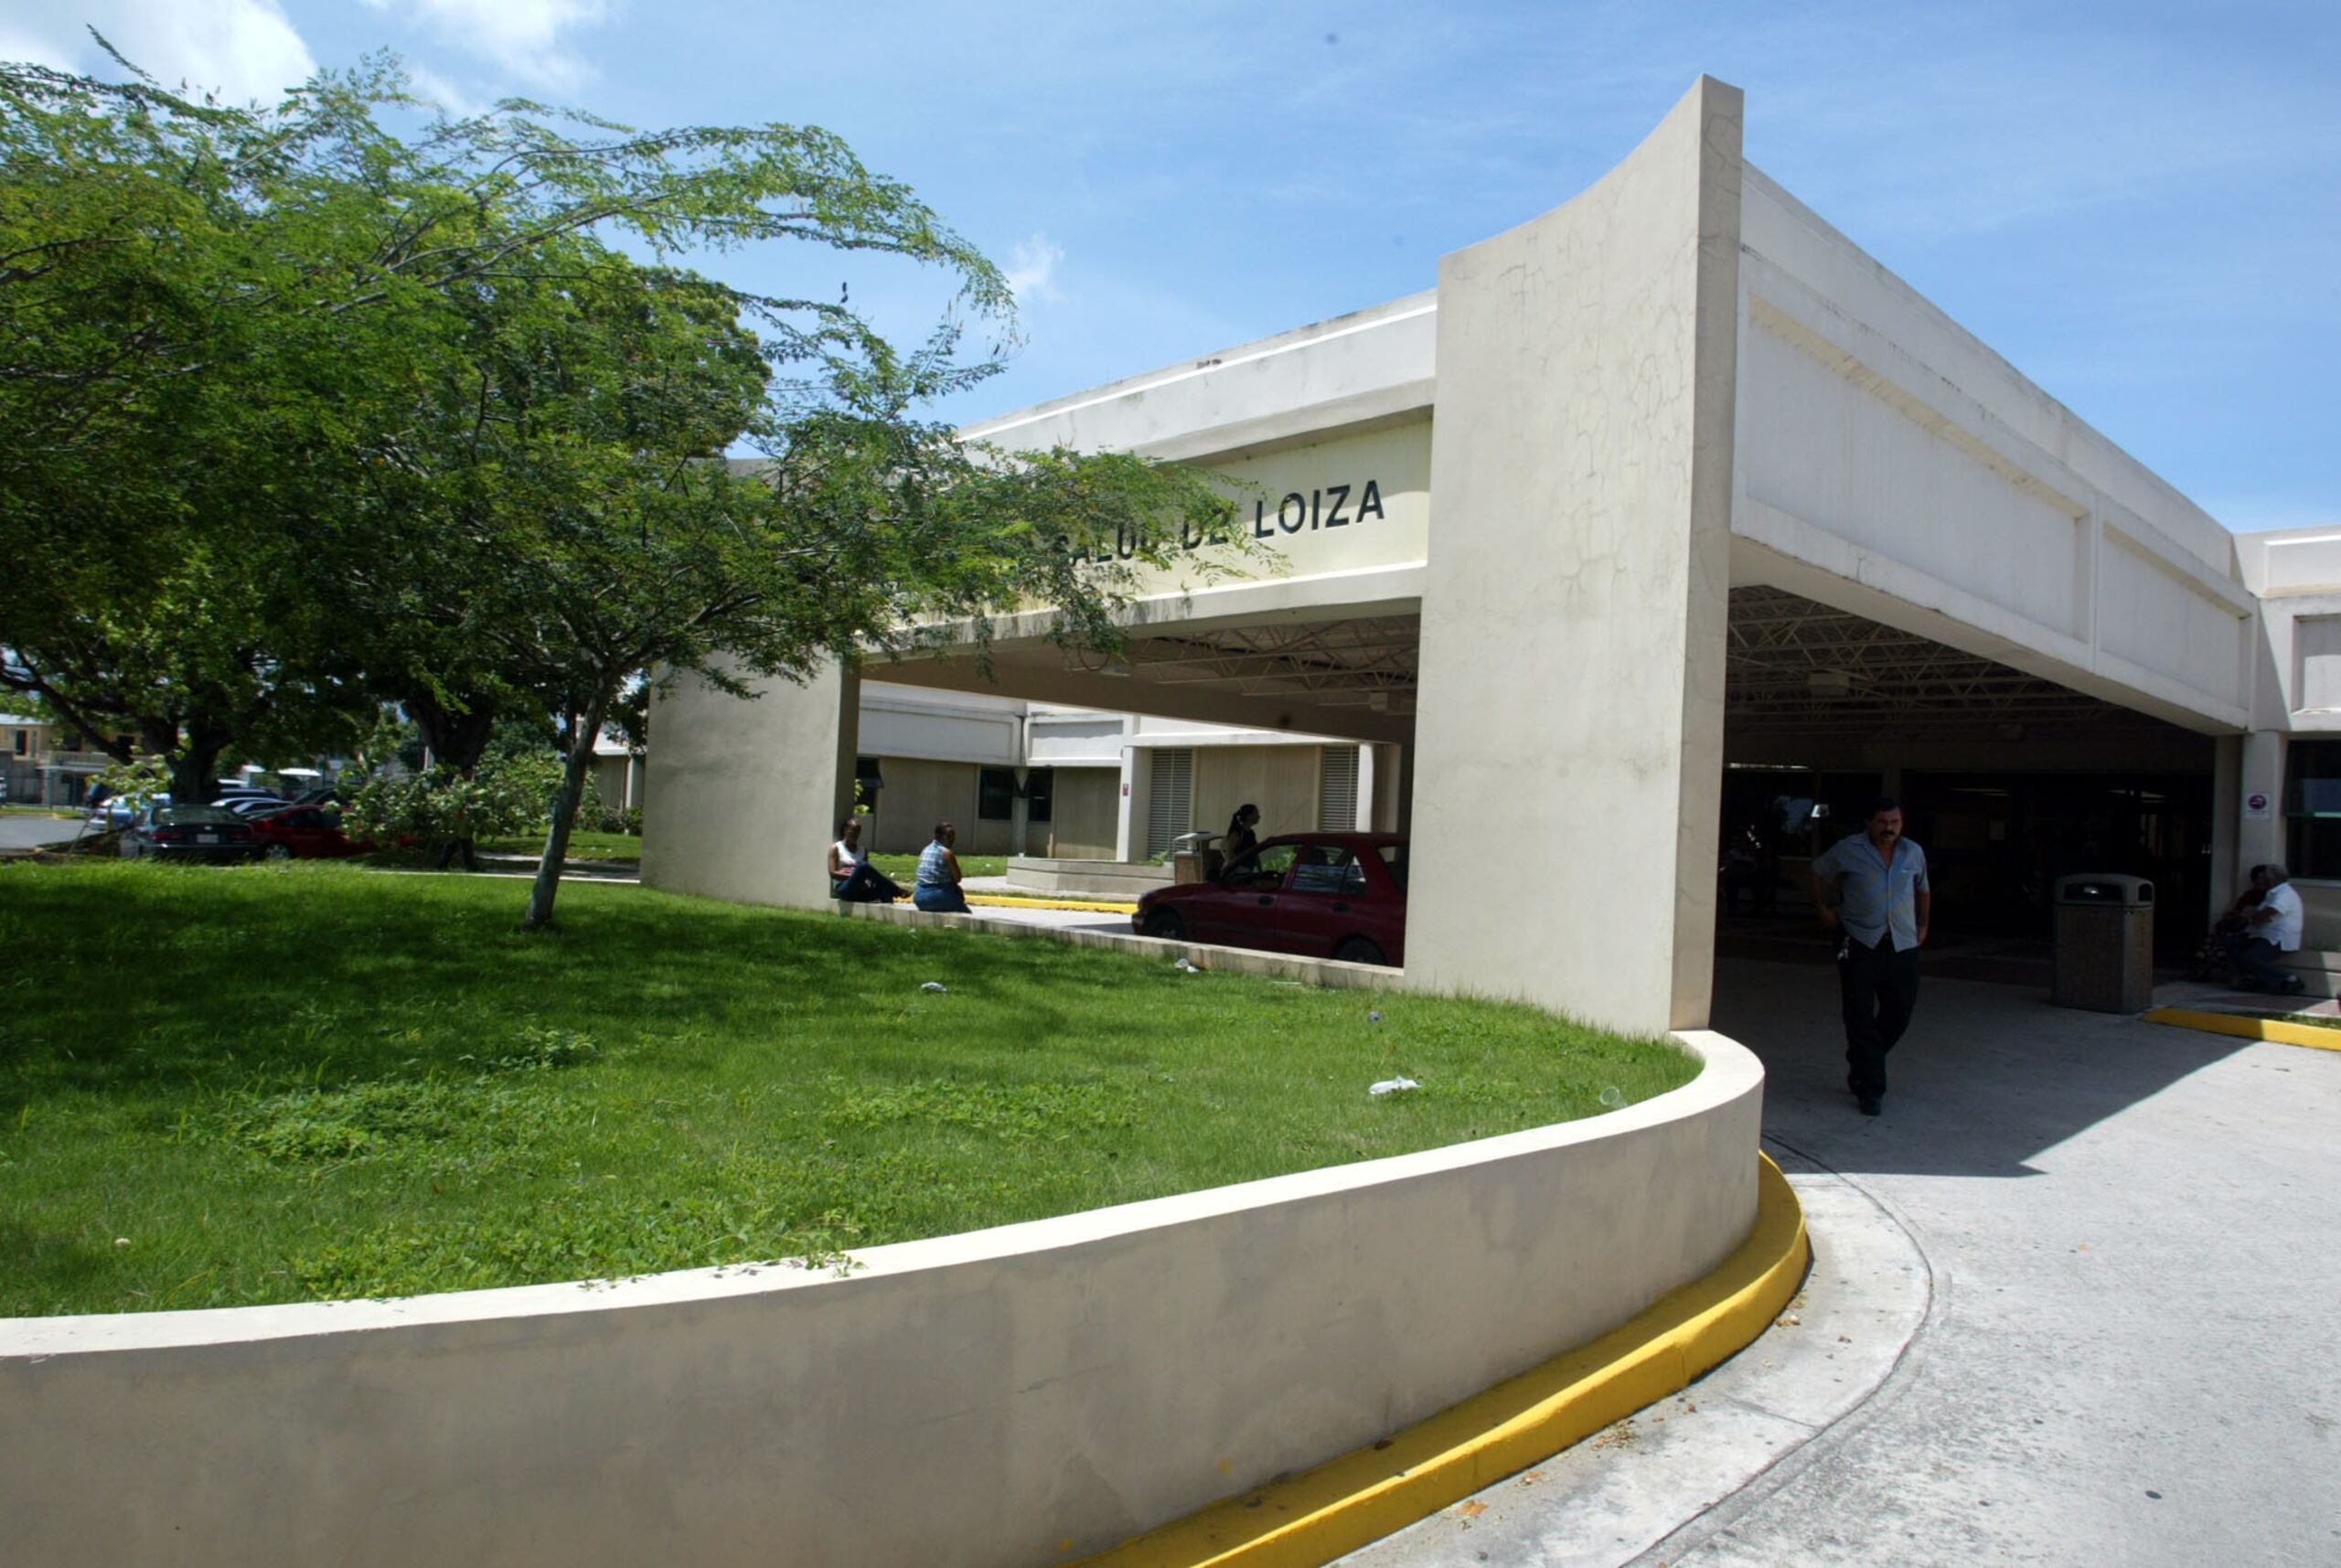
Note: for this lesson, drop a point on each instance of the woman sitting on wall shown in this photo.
(852, 879)
(938, 874)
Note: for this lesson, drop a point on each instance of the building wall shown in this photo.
(1280, 780)
(1083, 814)
(1890, 464)
(919, 794)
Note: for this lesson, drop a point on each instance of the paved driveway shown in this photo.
(19, 831)
(2128, 1354)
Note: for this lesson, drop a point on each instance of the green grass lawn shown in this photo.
(583, 846)
(278, 1083)
(903, 868)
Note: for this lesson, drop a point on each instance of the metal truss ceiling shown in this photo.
(1794, 668)
(1363, 663)
(1797, 666)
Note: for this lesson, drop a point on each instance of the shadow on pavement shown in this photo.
(1989, 1076)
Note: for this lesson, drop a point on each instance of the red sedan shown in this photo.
(303, 833)
(1322, 895)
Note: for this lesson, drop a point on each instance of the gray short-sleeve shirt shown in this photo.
(1874, 898)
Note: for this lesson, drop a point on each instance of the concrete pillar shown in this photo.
(749, 792)
(2227, 812)
(1382, 802)
(1574, 616)
(1130, 823)
(2259, 831)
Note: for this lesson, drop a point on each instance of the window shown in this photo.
(1263, 869)
(1393, 861)
(2313, 808)
(1171, 799)
(1337, 790)
(24, 742)
(996, 795)
(1328, 868)
(1040, 794)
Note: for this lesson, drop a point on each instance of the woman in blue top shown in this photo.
(938, 874)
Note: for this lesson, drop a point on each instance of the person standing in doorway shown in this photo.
(1872, 890)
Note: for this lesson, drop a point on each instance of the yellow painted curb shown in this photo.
(1315, 1516)
(2248, 1027)
(986, 900)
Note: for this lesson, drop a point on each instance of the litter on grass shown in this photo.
(1391, 1085)
(1613, 1096)
(934, 986)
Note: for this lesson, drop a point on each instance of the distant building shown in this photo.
(1058, 782)
(46, 763)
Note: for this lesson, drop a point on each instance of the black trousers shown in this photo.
(1880, 987)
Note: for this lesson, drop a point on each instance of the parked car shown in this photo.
(188, 833)
(230, 793)
(120, 810)
(303, 833)
(248, 806)
(1320, 895)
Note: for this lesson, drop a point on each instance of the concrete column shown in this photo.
(1388, 779)
(1130, 823)
(750, 793)
(2261, 838)
(2226, 814)
(1574, 618)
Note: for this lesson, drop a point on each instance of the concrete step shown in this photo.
(2319, 971)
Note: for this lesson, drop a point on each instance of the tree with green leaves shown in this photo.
(300, 411)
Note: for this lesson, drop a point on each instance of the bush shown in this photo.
(509, 794)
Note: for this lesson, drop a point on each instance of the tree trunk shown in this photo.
(454, 738)
(194, 769)
(576, 767)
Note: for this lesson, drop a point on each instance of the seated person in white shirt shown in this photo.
(852, 878)
(2274, 927)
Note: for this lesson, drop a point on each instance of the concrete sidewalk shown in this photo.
(2127, 1234)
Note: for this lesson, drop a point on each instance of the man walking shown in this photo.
(1876, 882)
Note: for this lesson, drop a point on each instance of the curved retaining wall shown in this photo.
(1011, 1396)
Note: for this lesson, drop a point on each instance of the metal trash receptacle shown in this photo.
(1193, 859)
(2105, 944)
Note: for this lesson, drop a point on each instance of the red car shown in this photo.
(1322, 895)
(303, 833)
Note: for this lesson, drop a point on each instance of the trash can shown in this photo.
(2105, 944)
(1192, 859)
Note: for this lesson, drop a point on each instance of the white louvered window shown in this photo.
(1170, 800)
(1337, 791)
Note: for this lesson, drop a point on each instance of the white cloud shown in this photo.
(523, 36)
(435, 89)
(1032, 268)
(242, 49)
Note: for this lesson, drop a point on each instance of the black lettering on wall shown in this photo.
(1370, 504)
(1260, 530)
(1341, 494)
(1292, 512)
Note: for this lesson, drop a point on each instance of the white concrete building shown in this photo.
(1049, 781)
(1656, 508)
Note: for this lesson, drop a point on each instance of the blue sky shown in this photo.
(2137, 205)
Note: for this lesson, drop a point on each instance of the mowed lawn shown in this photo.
(279, 1083)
